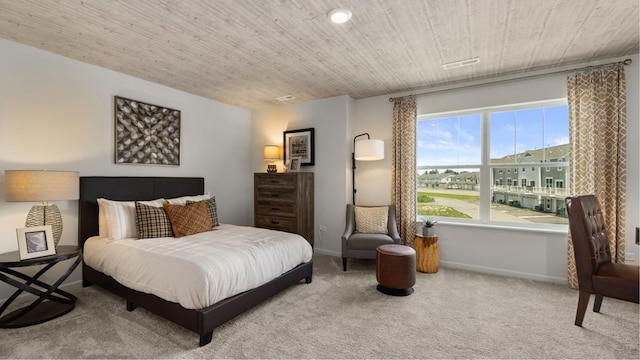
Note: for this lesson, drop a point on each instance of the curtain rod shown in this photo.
(624, 62)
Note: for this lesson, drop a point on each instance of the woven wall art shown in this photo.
(146, 133)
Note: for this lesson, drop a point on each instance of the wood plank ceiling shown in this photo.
(248, 52)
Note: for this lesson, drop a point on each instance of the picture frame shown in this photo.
(35, 241)
(145, 133)
(299, 143)
(294, 164)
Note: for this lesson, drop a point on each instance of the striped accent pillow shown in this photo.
(188, 219)
(117, 219)
(213, 211)
(152, 222)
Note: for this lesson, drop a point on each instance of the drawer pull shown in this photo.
(275, 222)
(275, 182)
(275, 195)
(275, 209)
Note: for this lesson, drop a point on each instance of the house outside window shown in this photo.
(476, 151)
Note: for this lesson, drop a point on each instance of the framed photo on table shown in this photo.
(294, 164)
(299, 144)
(35, 241)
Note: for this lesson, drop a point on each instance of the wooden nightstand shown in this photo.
(58, 302)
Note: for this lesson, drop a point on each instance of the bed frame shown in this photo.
(201, 321)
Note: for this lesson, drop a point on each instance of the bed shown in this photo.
(200, 320)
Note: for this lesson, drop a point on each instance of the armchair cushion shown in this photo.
(368, 241)
(371, 220)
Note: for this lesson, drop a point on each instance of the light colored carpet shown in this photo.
(452, 314)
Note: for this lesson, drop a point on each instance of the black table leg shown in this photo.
(59, 301)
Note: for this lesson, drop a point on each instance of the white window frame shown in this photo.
(485, 167)
(548, 182)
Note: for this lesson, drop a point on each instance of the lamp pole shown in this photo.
(353, 165)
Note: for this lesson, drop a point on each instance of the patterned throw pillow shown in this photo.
(152, 222)
(188, 219)
(213, 211)
(371, 220)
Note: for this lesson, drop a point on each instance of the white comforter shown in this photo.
(199, 270)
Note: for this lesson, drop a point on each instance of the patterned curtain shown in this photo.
(598, 133)
(403, 193)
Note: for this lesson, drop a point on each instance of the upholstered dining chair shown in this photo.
(367, 228)
(596, 273)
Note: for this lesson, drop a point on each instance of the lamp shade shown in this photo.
(271, 152)
(41, 185)
(367, 150)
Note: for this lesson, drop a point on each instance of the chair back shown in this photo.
(589, 237)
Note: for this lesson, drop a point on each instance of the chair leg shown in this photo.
(344, 264)
(597, 303)
(583, 301)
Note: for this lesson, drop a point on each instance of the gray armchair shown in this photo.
(363, 245)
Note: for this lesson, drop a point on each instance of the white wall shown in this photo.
(57, 113)
(534, 254)
(531, 254)
(330, 118)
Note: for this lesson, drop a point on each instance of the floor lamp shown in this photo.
(42, 186)
(364, 150)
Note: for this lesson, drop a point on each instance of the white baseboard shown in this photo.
(503, 272)
(480, 269)
(327, 252)
(69, 287)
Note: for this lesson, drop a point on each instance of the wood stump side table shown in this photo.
(427, 253)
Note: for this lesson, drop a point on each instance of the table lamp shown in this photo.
(42, 186)
(271, 154)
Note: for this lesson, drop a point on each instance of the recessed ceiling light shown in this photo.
(286, 98)
(461, 63)
(339, 16)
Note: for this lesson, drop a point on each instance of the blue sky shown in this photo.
(456, 140)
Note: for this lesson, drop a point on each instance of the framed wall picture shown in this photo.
(299, 143)
(35, 241)
(146, 133)
(294, 164)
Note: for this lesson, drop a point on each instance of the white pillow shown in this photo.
(183, 200)
(371, 220)
(117, 219)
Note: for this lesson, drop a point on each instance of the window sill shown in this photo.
(557, 230)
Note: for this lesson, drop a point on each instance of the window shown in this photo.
(548, 181)
(465, 161)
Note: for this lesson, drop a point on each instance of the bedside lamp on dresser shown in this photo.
(271, 153)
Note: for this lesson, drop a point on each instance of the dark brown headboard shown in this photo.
(127, 188)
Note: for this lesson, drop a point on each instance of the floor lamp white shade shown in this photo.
(42, 186)
(369, 149)
(364, 150)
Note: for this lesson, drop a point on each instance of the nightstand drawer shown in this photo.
(276, 181)
(276, 223)
(276, 195)
(275, 209)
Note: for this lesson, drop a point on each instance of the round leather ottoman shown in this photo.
(395, 269)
